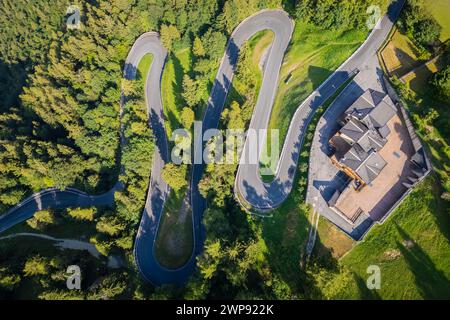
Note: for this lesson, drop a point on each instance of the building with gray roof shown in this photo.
(363, 135)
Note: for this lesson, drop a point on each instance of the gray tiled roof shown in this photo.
(360, 108)
(354, 157)
(367, 165)
(384, 131)
(373, 107)
(366, 129)
(354, 129)
(381, 114)
(371, 167)
(371, 140)
(375, 96)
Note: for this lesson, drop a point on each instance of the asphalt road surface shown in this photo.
(267, 196)
(261, 196)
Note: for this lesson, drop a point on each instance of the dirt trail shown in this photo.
(61, 243)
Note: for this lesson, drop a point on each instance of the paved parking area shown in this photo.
(323, 176)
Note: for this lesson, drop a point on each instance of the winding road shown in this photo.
(259, 195)
(262, 196)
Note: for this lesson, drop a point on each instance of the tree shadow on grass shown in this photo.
(407, 63)
(430, 281)
(317, 75)
(323, 258)
(294, 96)
(178, 81)
(289, 6)
(364, 292)
(323, 255)
(234, 95)
(285, 235)
(439, 207)
(177, 88)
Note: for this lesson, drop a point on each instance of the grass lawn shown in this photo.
(178, 64)
(259, 44)
(174, 241)
(256, 46)
(144, 66)
(400, 55)
(311, 57)
(173, 245)
(286, 231)
(418, 80)
(440, 10)
(331, 240)
(411, 248)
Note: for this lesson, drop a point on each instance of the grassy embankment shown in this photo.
(174, 241)
(286, 233)
(178, 64)
(419, 95)
(440, 9)
(331, 240)
(143, 67)
(310, 60)
(311, 57)
(412, 246)
(256, 47)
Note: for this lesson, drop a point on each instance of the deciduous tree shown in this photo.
(175, 175)
(169, 34)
